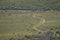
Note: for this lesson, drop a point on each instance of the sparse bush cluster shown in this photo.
(47, 8)
(48, 35)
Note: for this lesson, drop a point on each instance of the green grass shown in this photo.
(19, 22)
(31, 3)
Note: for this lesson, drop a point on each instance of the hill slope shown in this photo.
(31, 3)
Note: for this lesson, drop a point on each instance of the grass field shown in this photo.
(30, 3)
(20, 22)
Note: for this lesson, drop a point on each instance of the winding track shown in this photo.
(41, 22)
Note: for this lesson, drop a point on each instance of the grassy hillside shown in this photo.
(30, 3)
(19, 22)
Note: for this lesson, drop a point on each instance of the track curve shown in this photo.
(41, 22)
